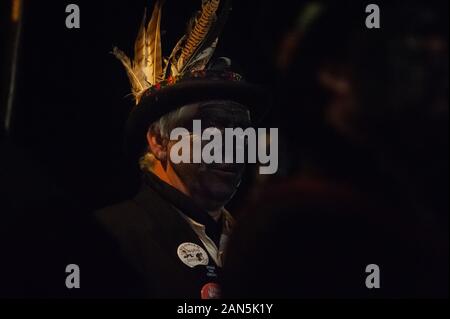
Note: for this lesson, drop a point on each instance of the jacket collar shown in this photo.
(184, 204)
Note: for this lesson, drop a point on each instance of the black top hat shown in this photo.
(196, 87)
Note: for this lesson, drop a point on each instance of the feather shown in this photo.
(200, 61)
(147, 66)
(154, 61)
(140, 52)
(213, 36)
(196, 37)
(192, 53)
(174, 56)
(134, 80)
(204, 52)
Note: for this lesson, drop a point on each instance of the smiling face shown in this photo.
(211, 186)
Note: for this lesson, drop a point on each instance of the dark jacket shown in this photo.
(137, 251)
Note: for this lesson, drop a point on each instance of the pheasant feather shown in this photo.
(200, 30)
(154, 60)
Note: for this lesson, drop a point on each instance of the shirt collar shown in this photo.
(215, 249)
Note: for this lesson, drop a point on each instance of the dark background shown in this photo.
(63, 157)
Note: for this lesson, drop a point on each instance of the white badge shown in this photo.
(192, 255)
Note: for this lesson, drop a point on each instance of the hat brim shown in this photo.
(168, 99)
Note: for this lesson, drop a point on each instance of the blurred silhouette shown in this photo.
(366, 114)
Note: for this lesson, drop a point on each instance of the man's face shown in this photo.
(211, 186)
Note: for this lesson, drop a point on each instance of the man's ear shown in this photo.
(157, 145)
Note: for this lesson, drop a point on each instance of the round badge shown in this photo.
(192, 255)
(211, 291)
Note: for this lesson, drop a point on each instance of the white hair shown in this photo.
(163, 127)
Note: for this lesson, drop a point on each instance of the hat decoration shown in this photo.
(149, 71)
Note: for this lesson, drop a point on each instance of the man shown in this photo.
(170, 239)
